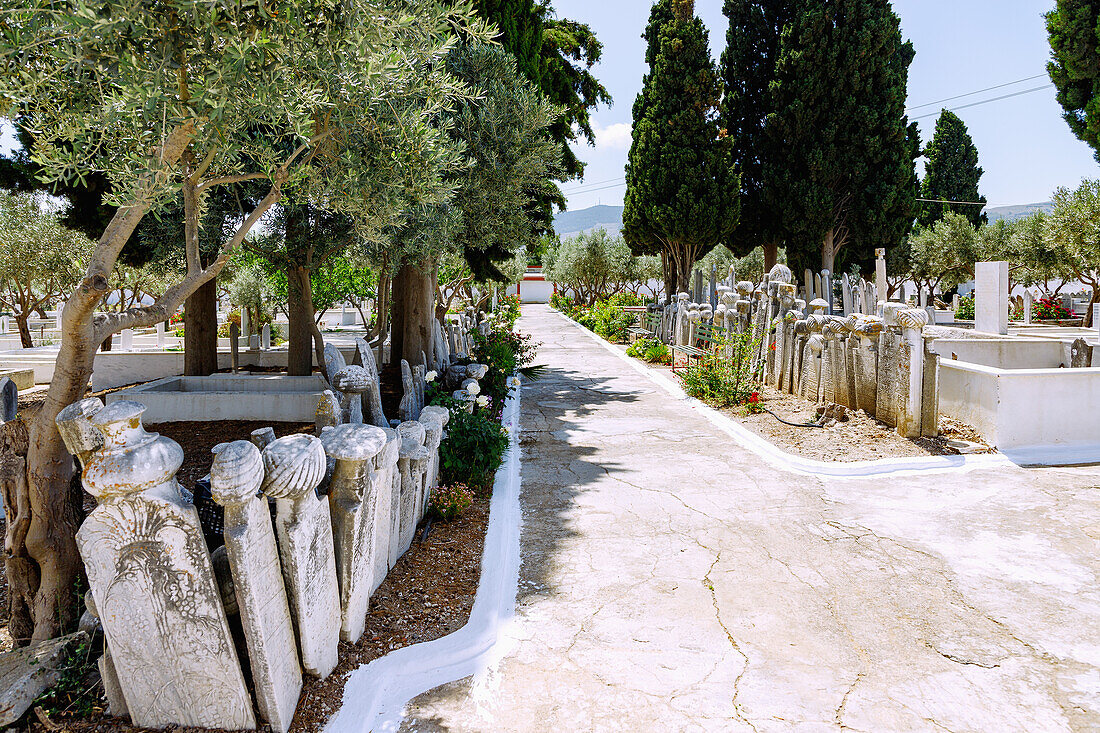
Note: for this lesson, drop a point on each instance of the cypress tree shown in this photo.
(843, 162)
(952, 173)
(681, 191)
(1074, 29)
(748, 68)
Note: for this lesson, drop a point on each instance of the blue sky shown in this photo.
(962, 46)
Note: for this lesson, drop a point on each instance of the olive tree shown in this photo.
(40, 260)
(176, 99)
(1072, 235)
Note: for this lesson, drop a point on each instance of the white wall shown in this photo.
(1003, 353)
(1024, 408)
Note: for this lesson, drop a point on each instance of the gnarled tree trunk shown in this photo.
(25, 339)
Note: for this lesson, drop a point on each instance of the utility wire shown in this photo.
(980, 91)
(589, 186)
(987, 101)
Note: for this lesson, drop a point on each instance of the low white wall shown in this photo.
(1005, 353)
(119, 368)
(274, 398)
(1024, 408)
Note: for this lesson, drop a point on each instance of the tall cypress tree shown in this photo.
(681, 191)
(843, 163)
(748, 68)
(952, 173)
(1074, 29)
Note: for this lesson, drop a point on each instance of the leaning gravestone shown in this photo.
(372, 398)
(235, 479)
(1080, 354)
(9, 400)
(294, 466)
(153, 583)
(352, 500)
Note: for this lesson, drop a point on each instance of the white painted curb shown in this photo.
(797, 464)
(376, 694)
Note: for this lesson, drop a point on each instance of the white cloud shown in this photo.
(613, 137)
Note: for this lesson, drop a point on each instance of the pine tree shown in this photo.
(1074, 29)
(748, 68)
(556, 55)
(681, 195)
(952, 173)
(843, 158)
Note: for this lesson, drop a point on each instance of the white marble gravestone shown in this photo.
(235, 480)
(991, 297)
(294, 466)
(352, 499)
(387, 514)
(372, 398)
(126, 340)
(153, 583)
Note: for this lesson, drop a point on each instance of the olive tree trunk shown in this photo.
(299, 310)
(413, 309)
(200, 331)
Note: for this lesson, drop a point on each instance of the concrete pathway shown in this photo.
(674, 581)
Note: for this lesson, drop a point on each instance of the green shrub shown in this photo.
(965, 311)
(448, 502)
(725, 381)
(473, 449)
(651, 350)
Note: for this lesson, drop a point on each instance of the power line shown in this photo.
(987, 101)
(594, 190)
(942, 201)
(980, 91)
(593, 183)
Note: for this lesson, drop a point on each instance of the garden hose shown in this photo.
(794, 424)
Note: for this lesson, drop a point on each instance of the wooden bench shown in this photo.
(647, 328)
(704, 341)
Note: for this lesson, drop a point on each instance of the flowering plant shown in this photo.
(1049, 309)
(430, 376)
(448, 502)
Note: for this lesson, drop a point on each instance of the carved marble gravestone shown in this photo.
(153, 583)
(412, 463)
(352, 499)
(328, 413)
(372, 398)
(334, 362)
(387, 508)
(294, 466)
(235, 480)
(9, 400)
(351, 383)
(434, 419)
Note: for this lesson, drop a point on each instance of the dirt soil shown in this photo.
(859, 438)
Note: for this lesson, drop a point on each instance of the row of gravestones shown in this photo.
(346, 506)
(878, 363)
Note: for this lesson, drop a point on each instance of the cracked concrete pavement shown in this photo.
(672, 580)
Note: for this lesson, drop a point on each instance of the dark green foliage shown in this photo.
(952, 173)
(473, 449)
(83, 208)
(1074, 28)
(843, 162)
(748, 68)
(557, 56)
(681, 195)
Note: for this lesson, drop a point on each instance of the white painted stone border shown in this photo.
(376, 694)
(797, 464)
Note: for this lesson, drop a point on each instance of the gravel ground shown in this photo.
(859, 438)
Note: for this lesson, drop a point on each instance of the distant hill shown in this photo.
(611, 217)
(585, 220)
(1012, 213)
